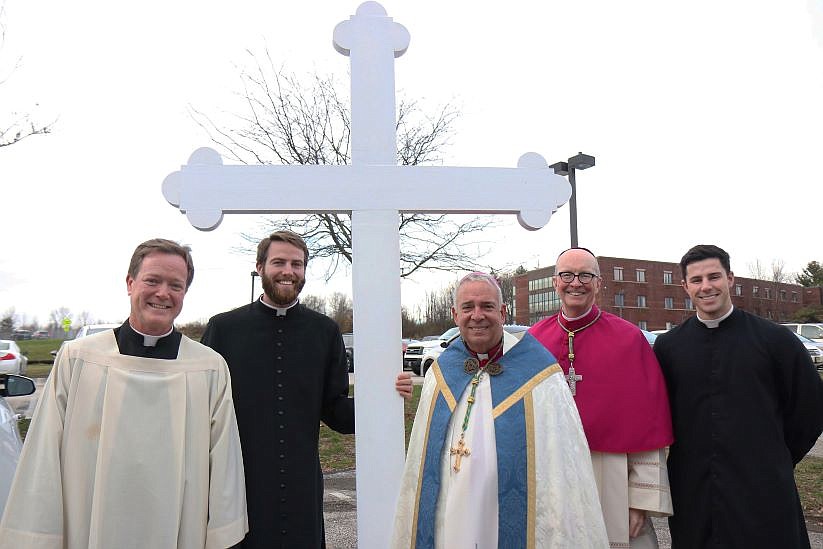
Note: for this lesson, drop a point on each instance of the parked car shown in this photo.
(421, 355)
(18, 335)
(41, 334)
(814, 350)
(811, 331)
(89, 329)
(12, 359)
(650, 336)
(348, 341)
(10, 443)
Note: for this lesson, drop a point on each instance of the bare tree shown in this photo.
(7, 323)
(340, 310)
(57, 315)
(314, 302)
(18, 125)
(776, 272)
(291, 121)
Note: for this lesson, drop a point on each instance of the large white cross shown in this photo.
(373, 189)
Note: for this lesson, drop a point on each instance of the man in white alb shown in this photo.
(134, 442)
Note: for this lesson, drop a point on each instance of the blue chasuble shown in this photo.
(525, 365)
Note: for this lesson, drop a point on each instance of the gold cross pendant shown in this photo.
(460, 451)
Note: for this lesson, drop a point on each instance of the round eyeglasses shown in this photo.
(584, 278)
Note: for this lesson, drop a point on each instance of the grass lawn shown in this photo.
(37, 350)
(337, 451)
(809, 478)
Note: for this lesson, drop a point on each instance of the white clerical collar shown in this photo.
(151, 340)
(715, 322)
(570, 319)
(281, 311)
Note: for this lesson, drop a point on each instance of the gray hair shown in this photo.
(478, 277)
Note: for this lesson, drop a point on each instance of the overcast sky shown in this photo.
(705, 118)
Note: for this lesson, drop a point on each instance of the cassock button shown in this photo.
(279, 398)
(282, 486)
(282, 471)
(279, 385)
(279, 371)
(282, 456)
(283, 532)
(279, 412)
(279, 344)
(279, 330)
(282, 426)
(282, 441)
(279, 358)
(282, 500)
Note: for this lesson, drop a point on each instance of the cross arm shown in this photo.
(205, 189)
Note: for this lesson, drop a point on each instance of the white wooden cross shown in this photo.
(373, 189)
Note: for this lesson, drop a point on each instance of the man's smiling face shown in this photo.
(283, 274)
(709, 287)
(157, 293)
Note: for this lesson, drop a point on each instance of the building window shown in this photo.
(642, 325)
(755, 290)
(640, 274)
(668, 303)
(618, 300)
(782, 295)
(667, 277)
(618, 273)
(554, 301)
(794, 297)
(738, 289)
(687, 304)
(768, 294)
(641, 301)
(539, 284)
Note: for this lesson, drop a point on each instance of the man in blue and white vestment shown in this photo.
(497, 456)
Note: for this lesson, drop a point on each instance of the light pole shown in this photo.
(579, 161)
(253, 274)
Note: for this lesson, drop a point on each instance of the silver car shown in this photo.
(10, 443)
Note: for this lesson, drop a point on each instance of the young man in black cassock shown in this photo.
(747, 405)
(288, 370)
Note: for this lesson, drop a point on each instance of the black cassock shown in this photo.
(747, 405)
(288, 373)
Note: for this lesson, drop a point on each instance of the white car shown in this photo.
(814, 350)
(811, 331)
(89, 329)
(12, 360)
(10, 444)
(421, 355)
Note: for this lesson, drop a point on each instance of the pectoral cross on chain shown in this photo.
(460, 451)
(572, 380)
(571, 377)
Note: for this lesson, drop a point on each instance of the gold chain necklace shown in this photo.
(472, 366)
(572, 377)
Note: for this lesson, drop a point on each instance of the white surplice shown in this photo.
(130, 453)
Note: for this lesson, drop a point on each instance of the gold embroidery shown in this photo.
(525, 388)
(531, 478)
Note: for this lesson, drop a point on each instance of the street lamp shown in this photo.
(253, 274)
(579, 161)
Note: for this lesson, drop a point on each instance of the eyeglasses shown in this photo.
(584, 278)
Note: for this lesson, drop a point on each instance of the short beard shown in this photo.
(279, 297)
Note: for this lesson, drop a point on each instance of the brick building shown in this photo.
(648, 294)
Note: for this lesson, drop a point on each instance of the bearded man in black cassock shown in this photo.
(288, 370)
(747, 405)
